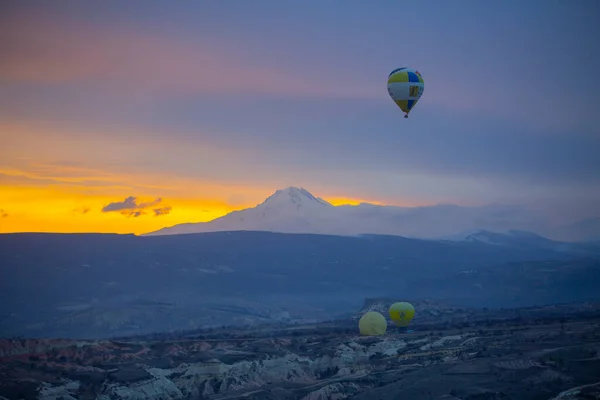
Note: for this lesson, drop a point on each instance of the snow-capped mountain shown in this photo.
(295, 210)
(290, 210)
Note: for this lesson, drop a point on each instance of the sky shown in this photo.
(131, 116)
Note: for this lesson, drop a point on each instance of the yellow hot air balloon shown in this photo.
(402, 313)
(372, 323)
(405, 86)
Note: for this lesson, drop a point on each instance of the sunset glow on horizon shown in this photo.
(129, 118)
(66, 189)
(72, 208)
(63, 191)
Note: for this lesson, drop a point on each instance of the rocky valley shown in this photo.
(451, 353)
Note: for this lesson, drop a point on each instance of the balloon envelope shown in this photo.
(402, 313)
(372, 323)
(405, 86)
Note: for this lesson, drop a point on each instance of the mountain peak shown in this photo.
(294, 195)
(294, 209)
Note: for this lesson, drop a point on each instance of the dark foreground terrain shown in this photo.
(548, 352)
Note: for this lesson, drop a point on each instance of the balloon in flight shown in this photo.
(401, 313)
(372, 323)
(405, 86)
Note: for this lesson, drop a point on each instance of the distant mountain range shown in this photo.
(295, 210)
(97, 285)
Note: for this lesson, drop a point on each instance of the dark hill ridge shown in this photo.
(99, 285)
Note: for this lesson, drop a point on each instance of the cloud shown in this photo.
(118, 159)
(57, 171)
(81, 210)
(162, 211)
(138, 62)
(131, 208)
(3, 214)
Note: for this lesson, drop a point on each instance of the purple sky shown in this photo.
(294, 93)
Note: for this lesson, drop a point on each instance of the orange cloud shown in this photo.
(81, 210)
(39, 50)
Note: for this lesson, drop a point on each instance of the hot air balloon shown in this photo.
(402, 313)
(372, 323)
(405, 86)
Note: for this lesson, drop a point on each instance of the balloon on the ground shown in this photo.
(405, 86)
(402, 313)
(372, 323)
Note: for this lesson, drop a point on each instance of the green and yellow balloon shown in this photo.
(372, 323)
(405, 86)
(402, 313)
